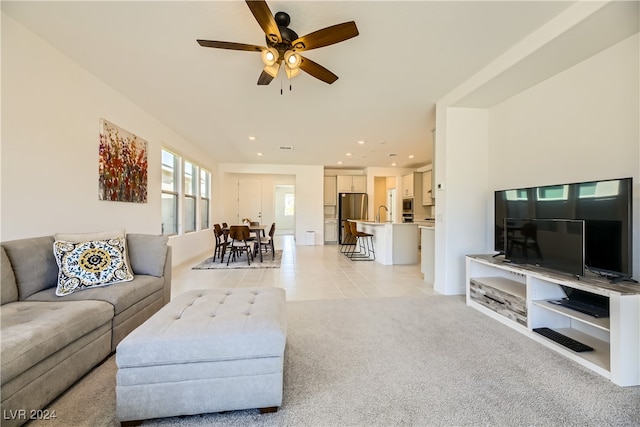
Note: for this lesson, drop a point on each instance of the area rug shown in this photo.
(400, 361)
(267, 262)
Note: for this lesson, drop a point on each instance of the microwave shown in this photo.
(407, 205)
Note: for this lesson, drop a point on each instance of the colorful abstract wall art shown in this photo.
(123, 165)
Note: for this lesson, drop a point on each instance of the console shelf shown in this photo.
(519, 296)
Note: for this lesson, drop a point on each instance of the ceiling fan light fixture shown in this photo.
(272, 70)
(269, 56)
(292, 59)
(292, 73)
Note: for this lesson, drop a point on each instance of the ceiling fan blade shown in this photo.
(230, 45)
(317, 70)
(265, 19)
(326, 36)
(269, 73)
(264, 79)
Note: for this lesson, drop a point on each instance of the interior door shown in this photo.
(249, 199)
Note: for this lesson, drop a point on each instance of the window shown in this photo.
(186, 195)
(288, 204)
(205, 192)
(190, 193)
(170, 169)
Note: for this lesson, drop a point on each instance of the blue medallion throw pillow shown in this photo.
(85, 265)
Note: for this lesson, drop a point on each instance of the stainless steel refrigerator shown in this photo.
(351, 206)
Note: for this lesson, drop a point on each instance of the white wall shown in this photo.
(309, 182)
(50, 128)
(460, 211)
(581, 125)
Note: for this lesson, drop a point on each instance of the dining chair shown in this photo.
(217, 232)
(239, 235)
(266, 243)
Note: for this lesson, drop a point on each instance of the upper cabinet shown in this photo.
(352, 184)
(330, 195)
(427, 191)
(411, 183)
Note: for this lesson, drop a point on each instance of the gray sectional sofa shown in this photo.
(48, 342)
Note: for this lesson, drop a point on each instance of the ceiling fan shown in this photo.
(283, 44)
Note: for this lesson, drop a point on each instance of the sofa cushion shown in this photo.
(8, 284)
(33, 264)
(32, 331)
(147, 253)
(98, 235)
(122, 296)
(90, 264)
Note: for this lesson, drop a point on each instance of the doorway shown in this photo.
(285, 214)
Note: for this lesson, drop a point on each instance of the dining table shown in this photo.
(258, 229)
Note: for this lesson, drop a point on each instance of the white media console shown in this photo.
(519, 295)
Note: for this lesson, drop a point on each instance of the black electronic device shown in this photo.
(585, 302)
(563, 340)
(548, 243)
(605, 206)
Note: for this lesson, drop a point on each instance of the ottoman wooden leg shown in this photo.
(269, 410)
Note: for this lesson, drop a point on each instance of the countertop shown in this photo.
(364, 221)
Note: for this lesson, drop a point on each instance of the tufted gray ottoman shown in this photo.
(206, 351)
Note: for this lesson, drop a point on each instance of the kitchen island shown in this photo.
(395, 243)
(427, 254)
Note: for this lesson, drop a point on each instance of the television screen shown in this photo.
(605, 206)
(550, 243)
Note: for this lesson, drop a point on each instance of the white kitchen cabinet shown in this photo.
(330, 194)
(407, 185)
(427, 199)
(352, 183)
(330, 231)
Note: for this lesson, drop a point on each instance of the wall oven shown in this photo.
(407, 205)
(407, 209)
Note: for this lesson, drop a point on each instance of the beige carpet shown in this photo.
(414, 361)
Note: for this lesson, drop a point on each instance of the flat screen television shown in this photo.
(605, 206)
(557, 244)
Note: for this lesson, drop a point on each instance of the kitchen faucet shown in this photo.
(378, 216)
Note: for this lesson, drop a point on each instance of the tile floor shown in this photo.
(308, 273)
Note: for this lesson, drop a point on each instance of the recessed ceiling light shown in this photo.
(259, 154)
(411, 156)
(348, 154)
(339, 163)
(252, 138)
(393, 164)
(361, 142)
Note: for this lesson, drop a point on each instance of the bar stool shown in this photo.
(348, 239)
(364, 242)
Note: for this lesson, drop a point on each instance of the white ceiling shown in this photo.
(407, 56)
